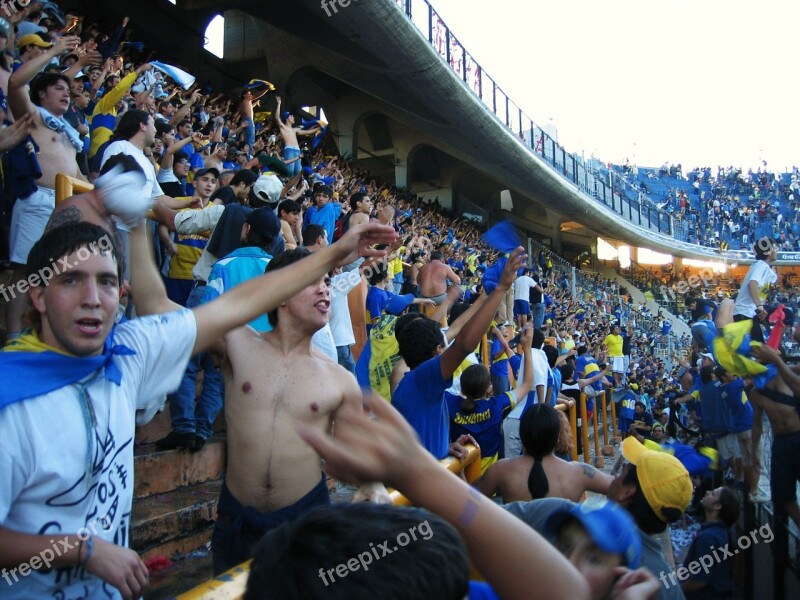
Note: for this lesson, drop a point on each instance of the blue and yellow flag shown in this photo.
(731, 350)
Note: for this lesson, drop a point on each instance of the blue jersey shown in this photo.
(483, 423)
(716, 413)
(740, 408)
(420, 399)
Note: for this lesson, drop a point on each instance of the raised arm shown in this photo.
(526, 385)
(257, 296)
(385, 449)
(18, 99)
(472, 332)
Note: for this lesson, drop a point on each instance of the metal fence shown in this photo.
(588, 176)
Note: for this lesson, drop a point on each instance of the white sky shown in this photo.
(700, 82)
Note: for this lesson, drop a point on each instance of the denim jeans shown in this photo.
(295, 167)
(345, 356)
(188, 416)
(250, 134)
(537, 310)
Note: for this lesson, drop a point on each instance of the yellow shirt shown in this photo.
(614, 343)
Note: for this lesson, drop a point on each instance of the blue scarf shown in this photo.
(38, 369)
(60, 125)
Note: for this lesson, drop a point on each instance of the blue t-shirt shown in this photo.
(740, 407)
(580, 365)
(627, 410)
(420, 399)
(719, 579)
(716, 417)
(499, 365)
(325, 216)
(483, 423)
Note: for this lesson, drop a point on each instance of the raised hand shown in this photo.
(358, 241)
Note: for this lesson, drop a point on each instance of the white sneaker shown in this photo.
(758, 498)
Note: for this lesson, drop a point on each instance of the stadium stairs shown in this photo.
(175, 506)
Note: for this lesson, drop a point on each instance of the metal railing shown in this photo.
(574, 168)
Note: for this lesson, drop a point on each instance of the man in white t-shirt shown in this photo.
(522, 291)
(71, 389)
(753, 293)
(541, 369)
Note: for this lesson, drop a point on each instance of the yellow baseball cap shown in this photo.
(665, 482)
(33, 39)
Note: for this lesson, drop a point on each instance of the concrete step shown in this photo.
(166, 517)
(156, 429)
(160, 472)
(180, 577)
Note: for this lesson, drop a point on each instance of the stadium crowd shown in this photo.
(257, 236)
(722, 208)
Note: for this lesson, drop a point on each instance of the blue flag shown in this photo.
(502, 237)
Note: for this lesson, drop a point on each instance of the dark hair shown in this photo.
(355, 199)
(288, 206)
(106, 83)
(312, 233)
(245, 176)
(551, 353)
(567, 371)
(728, 507)
(378, 273)
(641, 511)
(403, 320)
(706, 373)
(418, 341)
(475, 381)
(41, 82)
(291, 560)
(458, 309)
(163, 127)
(283, 260)
(127, 162)
(538, 338)
(538, 432)
(129, 124)
(582, 350)
(436, 255)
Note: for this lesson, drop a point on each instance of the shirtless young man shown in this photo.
(291, 147)
(780, 401)
(360, 209)
(433, 279)
(58, 146)
(248, 100)
(272, 475)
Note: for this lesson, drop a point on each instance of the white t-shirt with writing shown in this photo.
(53, 485)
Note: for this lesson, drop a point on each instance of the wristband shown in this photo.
(89, 548)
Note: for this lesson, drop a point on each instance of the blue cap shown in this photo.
(611, 528)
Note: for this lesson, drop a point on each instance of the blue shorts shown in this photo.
(522, 307)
